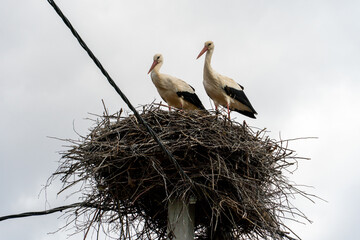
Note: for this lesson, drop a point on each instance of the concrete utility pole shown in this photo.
(181, 218)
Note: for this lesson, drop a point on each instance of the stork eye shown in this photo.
(209, 44)
(158, 57)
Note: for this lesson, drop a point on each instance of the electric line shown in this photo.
(117, 89)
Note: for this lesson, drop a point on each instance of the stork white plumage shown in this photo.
(175, 92)
(224, 90)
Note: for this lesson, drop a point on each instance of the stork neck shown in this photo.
(208, 59)
(207, 66)
(156, 69)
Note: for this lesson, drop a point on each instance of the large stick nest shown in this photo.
(233, 173)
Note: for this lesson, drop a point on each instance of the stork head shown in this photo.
(208, 46)
(158, 58)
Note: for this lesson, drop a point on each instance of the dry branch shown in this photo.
(235, 175)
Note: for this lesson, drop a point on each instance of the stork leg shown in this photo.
(165, 105)
(228, 110)
(216, 109)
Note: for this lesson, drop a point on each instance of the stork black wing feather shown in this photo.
(246, 113)
(191, 98)
(240, 96)
(241, 86)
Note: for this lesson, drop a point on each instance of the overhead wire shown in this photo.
(117, 89)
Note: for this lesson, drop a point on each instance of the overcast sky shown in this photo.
(299, 62)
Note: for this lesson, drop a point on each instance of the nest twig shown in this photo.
(236, 175)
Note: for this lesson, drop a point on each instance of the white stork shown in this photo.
(224, 90)
(175, 92)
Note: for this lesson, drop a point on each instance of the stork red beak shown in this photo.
(202, 52)
(152, 66)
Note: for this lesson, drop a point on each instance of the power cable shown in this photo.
(117, 89)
